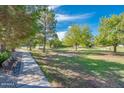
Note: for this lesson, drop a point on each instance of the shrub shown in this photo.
(3, 56)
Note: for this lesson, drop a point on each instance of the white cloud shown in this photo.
(61, 34)
(69, 27)
(52, 7)
(62, 17)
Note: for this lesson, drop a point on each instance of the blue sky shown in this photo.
(82, 14)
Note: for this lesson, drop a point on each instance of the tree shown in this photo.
(52, 38)
(16, 25)
(34, 41)
(55, 43)
(73, 36)
(86, 36)
(110, 31)
(47, 23)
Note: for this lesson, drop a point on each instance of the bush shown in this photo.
(3, 56)
(55, 43)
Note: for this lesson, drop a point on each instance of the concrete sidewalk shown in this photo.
(31, 75)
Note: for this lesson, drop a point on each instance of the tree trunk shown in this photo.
(30, 48)
(76, 47)
(2, 47)
(30, 45)
(13, 49)
(44, 44)
(50, 45)
(44, 41)
(115, 48)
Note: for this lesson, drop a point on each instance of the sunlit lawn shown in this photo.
(95, 67)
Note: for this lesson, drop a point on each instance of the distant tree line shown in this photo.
(34, 25)
(111, 33)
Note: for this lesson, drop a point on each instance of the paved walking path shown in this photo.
(30, 75)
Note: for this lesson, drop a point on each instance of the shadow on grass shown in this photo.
(90, 51)
(79, 71)
(101, 52)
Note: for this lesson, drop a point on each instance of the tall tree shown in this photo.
(47, 23)
(110, 31)
(73, 36)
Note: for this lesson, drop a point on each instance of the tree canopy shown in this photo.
(16, 25)
(111, 31)
(72, 37)
(86, 36)
(77, 35)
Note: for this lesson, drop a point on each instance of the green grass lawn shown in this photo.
(85, 68)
